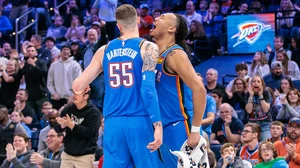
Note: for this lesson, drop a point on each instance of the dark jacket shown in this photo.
(82, 140)
(35, 79)
(45, 55)
(21, 161)
(238, 163)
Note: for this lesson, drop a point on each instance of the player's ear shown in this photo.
(172, 29)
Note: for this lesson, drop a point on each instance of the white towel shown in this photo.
(192, 157)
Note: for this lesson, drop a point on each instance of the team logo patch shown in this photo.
(160, 60)
(250, 32)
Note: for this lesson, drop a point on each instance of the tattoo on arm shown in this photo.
(171, 53)
(150, 57)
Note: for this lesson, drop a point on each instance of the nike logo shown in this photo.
(174, 124)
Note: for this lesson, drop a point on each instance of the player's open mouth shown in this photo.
(153, 28)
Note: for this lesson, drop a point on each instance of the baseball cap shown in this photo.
(65, 46)
(50, 38)
(74, 42)
(96, 24)
(145, 6)
(276, 64)
(295, 120)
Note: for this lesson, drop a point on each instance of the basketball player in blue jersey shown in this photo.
(131, 108)
(174, 73)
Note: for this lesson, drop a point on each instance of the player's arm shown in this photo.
(90, 73)
(178, 61)
(150, 55)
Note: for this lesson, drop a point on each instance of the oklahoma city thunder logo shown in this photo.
(250, 32)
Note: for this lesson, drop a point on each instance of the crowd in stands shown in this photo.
(254, 119)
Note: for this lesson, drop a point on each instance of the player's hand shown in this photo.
(193, 139)
(157, 137)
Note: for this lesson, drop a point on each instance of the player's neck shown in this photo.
(165, 43)
(252, 145)
(129, 35)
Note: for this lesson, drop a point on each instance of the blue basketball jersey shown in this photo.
(122, 65)
(175, 98)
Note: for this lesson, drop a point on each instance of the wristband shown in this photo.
(261, 98)
(195, 129)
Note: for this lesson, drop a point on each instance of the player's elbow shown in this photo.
(77, 86)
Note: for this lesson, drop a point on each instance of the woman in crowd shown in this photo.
(236, 97)
(196, 33)
(10, 83)
(268, 154)
(285, 17)
(290, 68)
(76, 32)
(286, 84)
(295, 48)
(258, 105)
(17, 155)
(290, 105)
(17, 117)
(259, 65)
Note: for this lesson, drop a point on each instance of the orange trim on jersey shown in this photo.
(180, 98)
(187, 129)
(163, 63)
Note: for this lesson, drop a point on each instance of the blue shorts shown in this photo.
(125, 143)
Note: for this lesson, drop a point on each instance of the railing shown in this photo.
(60, 5)
(17, 31)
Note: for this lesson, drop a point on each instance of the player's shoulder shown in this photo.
(145, 45)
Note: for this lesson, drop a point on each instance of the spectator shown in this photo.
(156, 13)
(273, 79)
(191, 14)
(6, 27)
(76, 51)
(229, 158)
(290, 68)
(7, 130)
(278, 46)
(35, 72)
(56, 29)
(196, 32)
(231, 127)
(14, 55)
(241, 71)
(76, 31)
(211, 81)
(46, 109)
(285, 18)
(7, 49)
(218, 95)
(21, 106)
(290, 105)
(236, 97)
(19, 8)
(72, 9)
(277, 129)
(97, 86)
(203, 7)
(146, 21)
(101, 33)
(81, 121)
(243, 8)
(259, 65)
(209, 115)
(42, 53)
(289, 147)
(268, 154)
(17, 155)
(60, 77)
(10, 82)
(256, 7)
(250, 138)
(50, 157)
(50, 45)
(295, 48)
(258, 106)
(16, 117)
(51, 117)
(88, 19)
(286, 84)
(108, 16)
